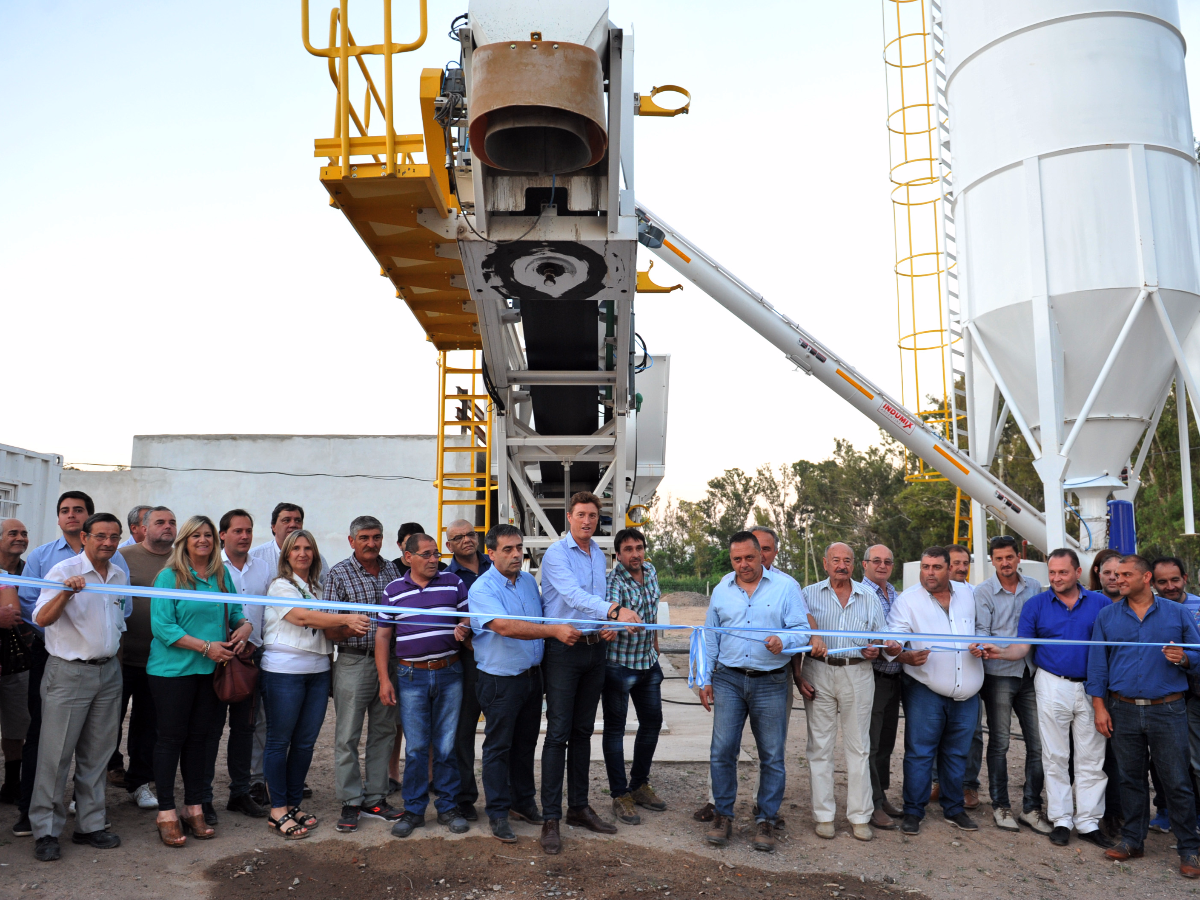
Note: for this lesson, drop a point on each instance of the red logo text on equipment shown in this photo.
(905, 422)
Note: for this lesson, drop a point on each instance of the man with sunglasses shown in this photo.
(878, 565)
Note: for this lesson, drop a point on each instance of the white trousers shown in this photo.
(845, 693)
(1065, 709)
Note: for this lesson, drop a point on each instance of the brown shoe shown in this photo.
(1189, 866)
(171, 833)
(971, 799)
(1123, 851)
(764, 837)
(882, 820)
(550, 840)
(935, 793)
(891, 809)
(705, 813)
(587, 818)
(200, 829)
(721, 831)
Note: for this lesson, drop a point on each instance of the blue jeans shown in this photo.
(429, 700)
(1003, 695)
(512, 713)
(935, 727)
(767, 701)
(295, 710)
(1163, 732)
(644, 688)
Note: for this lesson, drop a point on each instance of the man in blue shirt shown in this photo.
(746, 676)
(1170, 581)
(468, 564)
(74, 508)
(574, 584)
(508, 654)
(1137, 686)
(1062, 711)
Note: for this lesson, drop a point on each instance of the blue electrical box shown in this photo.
(1121, 533)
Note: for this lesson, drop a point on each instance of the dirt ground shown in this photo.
(665, 853)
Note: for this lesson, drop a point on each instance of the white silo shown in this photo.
(1076, 212)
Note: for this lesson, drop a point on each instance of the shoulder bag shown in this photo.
(235, 680)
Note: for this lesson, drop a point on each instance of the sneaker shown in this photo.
(455, 823)
(1097, 837)
(1060, 836)
(349, 820)
(407, 824)
(71, 808)
(625, 811)
(910, 825)
(383, 811)
(1035, 820)
(22, 827)
(1004, 819)
(764, 837)
(145, 798)
(963, 821)
(1161, 823)
(645, 797)
(46, 849)
(502, 831)
(721, 830)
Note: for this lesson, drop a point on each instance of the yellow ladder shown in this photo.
(962, 519)
(464, 452)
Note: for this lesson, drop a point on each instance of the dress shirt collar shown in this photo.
(456, 567)
(571, 542)
(1022, 584)
(246, 566)
(86, 566)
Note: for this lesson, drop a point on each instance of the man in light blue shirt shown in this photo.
(508, 653)
(574, 584)
(746, 675)
(74, 508)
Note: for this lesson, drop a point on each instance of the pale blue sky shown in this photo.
(170, 264)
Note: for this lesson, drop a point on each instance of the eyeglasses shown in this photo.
(460, 537)
(1004, 540)
(428, 554)
(880, 562)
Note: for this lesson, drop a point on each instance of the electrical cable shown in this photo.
(1076, 514)
(254, 472)
(453, 32)
(489, 387)
(553, 180)
(647, 360)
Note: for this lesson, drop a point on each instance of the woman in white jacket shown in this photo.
(295, 673)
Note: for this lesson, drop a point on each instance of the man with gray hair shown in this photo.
(468, 564)
(844, 688)
(361, 578)
(878, 566)
(137, 526)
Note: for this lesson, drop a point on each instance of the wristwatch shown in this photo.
(614, 612)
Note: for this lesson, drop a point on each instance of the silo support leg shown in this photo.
(1051, 468)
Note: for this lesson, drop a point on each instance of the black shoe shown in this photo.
(1061, 834)
(453, 821)
(502, 831)
(46, 849)
(531, 815)
(406, 824)
(1095, 837)
(10, 793)
(383, 811)
(101, 840)
(910, 825)
(307, 792)
(260, 795)
(22, 827)
(210, 814)
(468, 812)
(349, 820)
(245, 804)
(963, 821)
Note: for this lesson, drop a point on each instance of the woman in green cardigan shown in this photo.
(189, 638)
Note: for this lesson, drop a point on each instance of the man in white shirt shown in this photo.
(941, 689)
(81, 690)
(248, 719)
(285, 518)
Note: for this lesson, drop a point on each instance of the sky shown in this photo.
(170, 264)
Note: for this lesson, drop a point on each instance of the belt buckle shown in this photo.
(436, 664)
(591, 638)
(835, 661)
(1142, 701)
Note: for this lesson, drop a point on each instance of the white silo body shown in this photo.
(1075, 200)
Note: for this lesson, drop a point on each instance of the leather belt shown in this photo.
(1069, 678)
(756, 673)
(430, 664)
(590, 637)
(1139, 701)
(357, 651)
(90, 662)
(842, 660)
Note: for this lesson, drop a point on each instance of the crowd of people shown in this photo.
(481, 636)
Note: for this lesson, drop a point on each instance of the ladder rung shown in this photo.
(466, 474)
(476, 502)
(480, 448)
(482, 423)
(456, 397)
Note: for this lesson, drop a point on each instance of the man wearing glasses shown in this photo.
(468, 564)
(878, 565)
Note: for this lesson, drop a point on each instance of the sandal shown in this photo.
(308, 820)
(171, 833)
(295, 833)
(200, 829)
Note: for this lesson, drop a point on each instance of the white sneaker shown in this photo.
(145, 798)
(71, 809)
(1035, 820)
(1004, 820)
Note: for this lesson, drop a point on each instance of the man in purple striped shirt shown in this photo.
(428, 682)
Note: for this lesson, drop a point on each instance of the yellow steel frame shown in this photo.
(924, 338)
(464, 450)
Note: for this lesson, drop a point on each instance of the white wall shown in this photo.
(29, 489)
(304, 467)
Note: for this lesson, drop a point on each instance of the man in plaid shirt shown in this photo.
(878, 566)
(632, 672)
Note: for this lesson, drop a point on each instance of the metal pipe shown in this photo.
(1185, 455)
(1177, 350)
(1000, 383)
(1104, 370)
(1136, 473)
(548, 376)
(344, 88)
(390, 132)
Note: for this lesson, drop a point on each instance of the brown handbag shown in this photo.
(235, 680)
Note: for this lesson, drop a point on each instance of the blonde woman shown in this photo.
(189, 638)
(295, 673)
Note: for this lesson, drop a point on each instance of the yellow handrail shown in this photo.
(346, 48)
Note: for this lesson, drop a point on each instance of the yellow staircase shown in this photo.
(464, 477)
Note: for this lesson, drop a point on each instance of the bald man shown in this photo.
(14, 688)
(843, 682)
